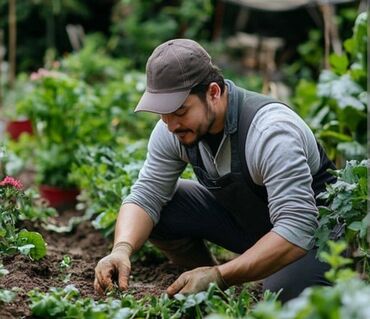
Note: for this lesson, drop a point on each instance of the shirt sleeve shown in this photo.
(280, 161)
(158, 177)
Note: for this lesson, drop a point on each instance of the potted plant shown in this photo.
(67, 114)
(53, 104)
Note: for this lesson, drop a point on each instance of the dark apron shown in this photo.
(246, 201)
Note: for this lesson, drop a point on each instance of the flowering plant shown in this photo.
(13, 203)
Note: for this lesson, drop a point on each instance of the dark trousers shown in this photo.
(193, 212)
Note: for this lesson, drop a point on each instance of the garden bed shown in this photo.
(85, 245)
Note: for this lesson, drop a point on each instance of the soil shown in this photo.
(86, 246)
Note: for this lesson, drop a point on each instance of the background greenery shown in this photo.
(86, 134)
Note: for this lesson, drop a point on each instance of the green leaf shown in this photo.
(335, 135)
(339, 63)
(32, 238)
(7, 296)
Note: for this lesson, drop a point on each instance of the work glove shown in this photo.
(114, 267)
(197, 280)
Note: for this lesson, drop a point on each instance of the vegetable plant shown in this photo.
(66, 303)
(106, 177)
(346, 205)
(336, 107)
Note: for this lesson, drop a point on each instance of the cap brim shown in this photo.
(161, 103)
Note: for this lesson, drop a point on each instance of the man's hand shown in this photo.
(196, 280)
(116, 265)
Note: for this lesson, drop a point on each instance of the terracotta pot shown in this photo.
(17, 127)
(59, 197)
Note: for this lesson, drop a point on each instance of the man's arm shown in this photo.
(141, 209)
(133, 227)
(271, 253)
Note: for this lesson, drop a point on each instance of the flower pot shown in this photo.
(59, 198)
(17, 127)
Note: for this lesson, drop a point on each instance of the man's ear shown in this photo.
(214, 91)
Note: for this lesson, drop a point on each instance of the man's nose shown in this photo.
(171, 122)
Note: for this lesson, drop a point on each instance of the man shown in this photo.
(259, 169)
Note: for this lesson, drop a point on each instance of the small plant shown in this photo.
(13, 202)
(335, 108)
(106, 176)
(64, 265)
(347, 206)
(65, 303)
(6, 295)
(337, 262)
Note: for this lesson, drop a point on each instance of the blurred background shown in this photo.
(72, 71)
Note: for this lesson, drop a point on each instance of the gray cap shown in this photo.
(172, 70)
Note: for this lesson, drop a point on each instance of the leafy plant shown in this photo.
(139, 26)
(121, 97)
(6, 295)
(66, 303)
(64, 265)
(337, 262)
(93, 63)
(347, 206)
(66, 113)
(13, 203)
(336, 107)
(106, 176)
(69, 113)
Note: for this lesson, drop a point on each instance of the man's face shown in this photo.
(191, 121)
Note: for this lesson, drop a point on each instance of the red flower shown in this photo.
(10, 181)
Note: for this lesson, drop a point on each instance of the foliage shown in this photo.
(11, 97)
(337, 262)
(68, 113)
(336, 107)
(66, 303)
(14, 202)
(6, 295)
(310, 60)
(64, 265)
(348, 298)
(347, 205)
(106, 176)
(92, 63)
(42, 24)
(65, 113)
(121, 97)
(139, 26)
(52, 105)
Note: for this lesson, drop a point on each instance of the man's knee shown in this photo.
(186, 252)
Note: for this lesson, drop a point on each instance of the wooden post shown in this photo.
(326, 15)
(2, 53)
(331, 32)
(217, 26)
(12, 42)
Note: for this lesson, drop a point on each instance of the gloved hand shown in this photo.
(115, 266)
(197, 280)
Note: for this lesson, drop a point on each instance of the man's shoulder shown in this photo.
(277, 114)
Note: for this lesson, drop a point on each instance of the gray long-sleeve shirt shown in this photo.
(281, 153)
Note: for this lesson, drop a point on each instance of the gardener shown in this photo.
(259, 168)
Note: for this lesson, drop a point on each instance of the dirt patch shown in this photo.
(85, 246)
